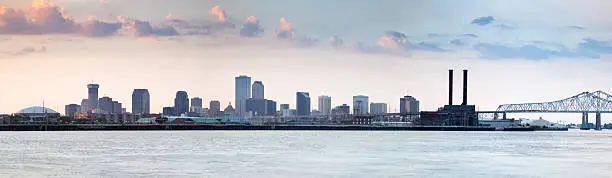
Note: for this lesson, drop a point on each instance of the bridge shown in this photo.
(587, 102)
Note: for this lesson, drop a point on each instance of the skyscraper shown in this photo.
(360, 104)
(256, 107)
(285, 110)
(214, 108)
(341, 110)
(71, 109)
(409, 105)
(105, 105)
(92, 96)
(196, 105)
(168, 111)
(181, 103)
(270, 107)
(325, 105)
(378, 108)
(258, 90)
(243, 92)
(303, 103)
(84, 106)
(117, 107)
(141, 102)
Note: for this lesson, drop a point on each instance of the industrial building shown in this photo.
(452, 115)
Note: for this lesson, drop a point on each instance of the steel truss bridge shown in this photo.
(587, 102)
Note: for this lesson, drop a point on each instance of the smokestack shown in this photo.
(450, 87)
(465, 87)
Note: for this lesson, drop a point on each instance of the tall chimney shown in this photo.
(465, 87)
(450, 87)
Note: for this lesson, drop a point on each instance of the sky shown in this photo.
(517, 51)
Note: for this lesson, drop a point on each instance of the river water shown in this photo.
(305, 154)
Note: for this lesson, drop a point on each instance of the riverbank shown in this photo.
(136, 127)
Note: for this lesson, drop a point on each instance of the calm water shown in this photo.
(306, 154)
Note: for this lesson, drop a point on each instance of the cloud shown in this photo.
(286, 29)
(589, 45)
(482, 21)
(220, 13)
(528, 51)
(457, 42)
(23, 51)
(144, 28)
(470, 35)
(96, 28)
(336, 41)
(45, 17)
(505, 26)
(251, 28)
(576, 27)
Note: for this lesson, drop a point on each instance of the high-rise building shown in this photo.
(378, 108)
(409, 105)
(169, 111)
(285, 110)
(325, 105)
(72, 109)
(141, 102)
(117, 107)
(243, 92)
(341, 110)
(214, 108)
(270, 108)
(303, 103)
(92, 96)
(256, 107)
(105, 105)
(196, 105)
(258, 90)
(85, 106)
(360, 104)
(181, 103)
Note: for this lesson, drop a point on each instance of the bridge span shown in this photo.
(586, 102)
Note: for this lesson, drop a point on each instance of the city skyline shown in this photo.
(550, 57)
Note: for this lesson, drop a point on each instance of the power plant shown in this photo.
(452, 115)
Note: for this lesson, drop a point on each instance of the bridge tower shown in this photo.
(585, 121)
(598, 121)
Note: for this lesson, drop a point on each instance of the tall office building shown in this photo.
(92, 96)
(409, 105)
(256, 107)
(168, 111)
(196, 105)
(243, 92)
(360, 104)
(72, 109)
(214, 108)
(378, 108)
(181, 103)
(303, 103)
(141, 102)
(285, 110)
(84, 106)
(258, 90)
(341, 110)
(270, 108)
(325, 105)
(117, 107)
(105, 105)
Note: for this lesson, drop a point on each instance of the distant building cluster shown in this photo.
(250, 101)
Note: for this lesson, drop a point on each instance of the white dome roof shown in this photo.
(36, 110)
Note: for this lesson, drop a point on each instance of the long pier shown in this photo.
(140, 127)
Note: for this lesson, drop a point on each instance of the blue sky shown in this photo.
(542, 50)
